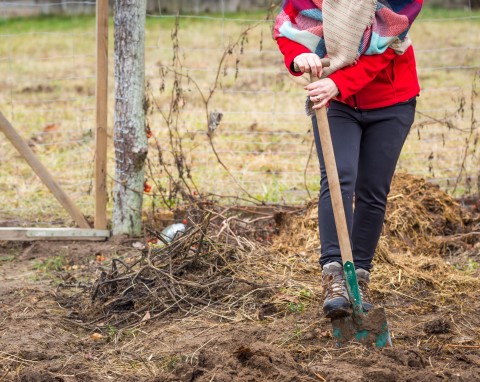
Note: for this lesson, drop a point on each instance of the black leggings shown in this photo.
(367, 144)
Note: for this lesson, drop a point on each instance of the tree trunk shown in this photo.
(129, 128)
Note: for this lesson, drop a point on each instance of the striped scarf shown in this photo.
(346, 29)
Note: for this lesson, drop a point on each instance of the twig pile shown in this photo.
(194, 272)
(216, 267)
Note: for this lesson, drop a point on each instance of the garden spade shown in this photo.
(369, 328)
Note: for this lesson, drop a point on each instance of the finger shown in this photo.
(300, 65)
(306, 65)
(318, 97)
(313, 85)
(314, 92)
(320, 104)
(313, 65)
(318, 64)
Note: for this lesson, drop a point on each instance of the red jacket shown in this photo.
(374, 81)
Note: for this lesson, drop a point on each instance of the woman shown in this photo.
(371, 98)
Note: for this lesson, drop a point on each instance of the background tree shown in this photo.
(129, 128)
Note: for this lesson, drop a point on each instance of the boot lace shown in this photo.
(364, 291)
(332, 286)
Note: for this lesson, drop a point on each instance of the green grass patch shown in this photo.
(59, 23)
(7, 258)
(51, 264)
(470, 267)
(48, 23)
(429, 12)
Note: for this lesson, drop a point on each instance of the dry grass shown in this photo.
(264, 137)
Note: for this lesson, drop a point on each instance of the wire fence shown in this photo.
(264, 139)
(222, 103)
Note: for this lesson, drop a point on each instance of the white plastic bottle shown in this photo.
(170, 232)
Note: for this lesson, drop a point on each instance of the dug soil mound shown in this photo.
(236, 298)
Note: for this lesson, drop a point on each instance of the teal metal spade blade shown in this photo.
(368, 328)
(352, 329)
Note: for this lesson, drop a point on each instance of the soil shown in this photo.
(39, 343)
(435, 329)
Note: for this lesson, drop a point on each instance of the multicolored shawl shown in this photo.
(346, 29)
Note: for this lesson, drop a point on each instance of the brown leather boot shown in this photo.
(336, 303)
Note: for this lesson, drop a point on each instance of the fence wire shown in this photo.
(262, 144)
(264, 137)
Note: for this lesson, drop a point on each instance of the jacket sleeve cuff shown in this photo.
(344, 91)
(291, 49)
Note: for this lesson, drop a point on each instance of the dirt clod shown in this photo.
(437, 326)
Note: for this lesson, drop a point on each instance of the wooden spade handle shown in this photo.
(325, 64)
(332, 177)
(334, 185)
